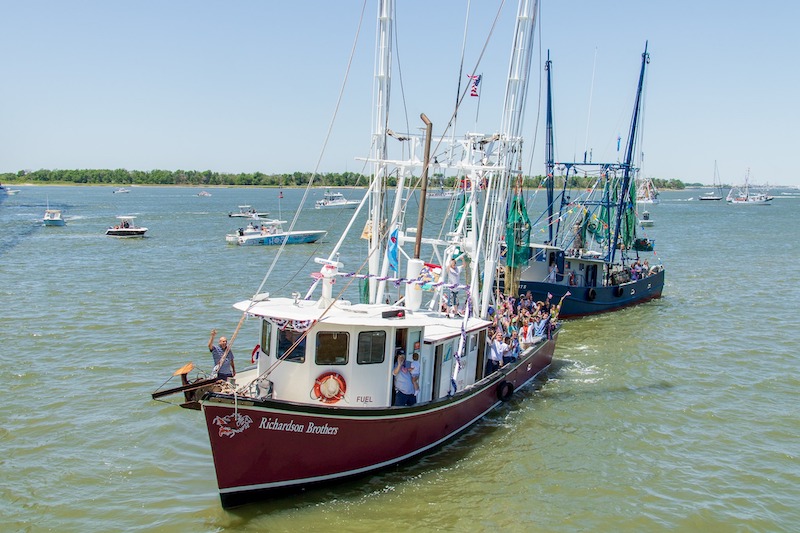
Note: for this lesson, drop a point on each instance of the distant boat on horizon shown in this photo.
(716, 192)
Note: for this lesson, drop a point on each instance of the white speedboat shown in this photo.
(121, 190)
(52, 217)
(271, 233)
(204, 194)
(646, 221)
(335, 200)
(442, 194)
(248, 211)
(126, 228)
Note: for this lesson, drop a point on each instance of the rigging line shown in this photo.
(400, 74)
(322, 150)
(461, 67)
(589, 114)
(532, 196)
(460, 100)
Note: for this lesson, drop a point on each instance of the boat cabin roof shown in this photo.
(343, 313)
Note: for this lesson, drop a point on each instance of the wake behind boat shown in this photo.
(331, 394)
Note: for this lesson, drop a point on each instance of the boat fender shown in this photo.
(504, 391)
(618, 290)
(591, 294)
(329, 387)
(253, 355)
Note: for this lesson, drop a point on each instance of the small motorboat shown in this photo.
(646, 221)
(121, 190)
(126, 228)
(335, 200)
(270, 233)
(204, 194)
(247, 211)
(52, 217)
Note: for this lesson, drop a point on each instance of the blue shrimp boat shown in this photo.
(592, 252)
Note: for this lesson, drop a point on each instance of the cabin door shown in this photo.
(591, 276)
(438, 359)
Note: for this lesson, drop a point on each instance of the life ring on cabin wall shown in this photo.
(329, 387)
(591, 294)
(253, 356)
(504, 391)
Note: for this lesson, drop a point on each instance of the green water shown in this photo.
(679, 414)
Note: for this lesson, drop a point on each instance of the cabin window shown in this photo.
(472, 341)
(332, 347)
(286, 339)
(371, 347)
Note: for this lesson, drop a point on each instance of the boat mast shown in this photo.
(549, 157)
(510, 156)
(383, 69)
(624, 195)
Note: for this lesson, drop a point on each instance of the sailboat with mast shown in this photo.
(715, 194)
(593, 245)
(320, 404)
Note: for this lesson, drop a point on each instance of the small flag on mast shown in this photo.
(476, 80)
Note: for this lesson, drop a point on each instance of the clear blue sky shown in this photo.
(244, 86)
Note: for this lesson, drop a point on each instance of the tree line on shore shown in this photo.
(254, 179)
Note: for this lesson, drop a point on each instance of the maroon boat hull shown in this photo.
(260, 446)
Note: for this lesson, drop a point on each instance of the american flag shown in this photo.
(473, 91)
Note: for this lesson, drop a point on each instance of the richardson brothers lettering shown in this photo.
(275, 424)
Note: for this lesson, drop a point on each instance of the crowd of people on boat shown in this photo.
(517, 324)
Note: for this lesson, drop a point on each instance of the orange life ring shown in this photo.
(329, 387)
(254, 352)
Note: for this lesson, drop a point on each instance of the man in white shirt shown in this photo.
(497, 348)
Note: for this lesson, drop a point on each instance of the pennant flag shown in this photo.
(391, 250)
(476, 80)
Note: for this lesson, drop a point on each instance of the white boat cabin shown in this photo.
(356, 344)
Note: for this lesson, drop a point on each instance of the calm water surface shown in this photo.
(676, 415)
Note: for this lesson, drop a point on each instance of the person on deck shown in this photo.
(414, 369)
(403, 382)
(497, 349)
(512, 341)
(227, 369)
(454, 278)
